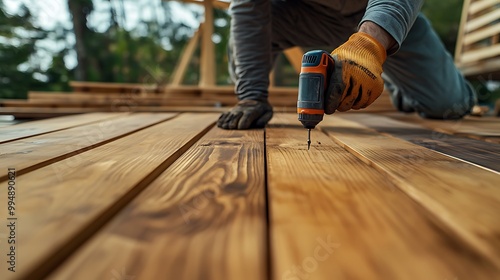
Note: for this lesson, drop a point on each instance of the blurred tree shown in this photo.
(146, 53)
(18, 38)
(221, 38)
(80, 10)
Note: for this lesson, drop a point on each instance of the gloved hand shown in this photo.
(356, 81)
(246, 114)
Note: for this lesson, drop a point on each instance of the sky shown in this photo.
(49, 14)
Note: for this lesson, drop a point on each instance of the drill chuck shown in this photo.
(310, 121)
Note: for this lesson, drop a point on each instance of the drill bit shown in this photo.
(308, 139)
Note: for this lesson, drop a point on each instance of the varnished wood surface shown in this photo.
(483, 153)
(487, 129)
(38, 151)
(67, 201)
(203, 218)
(28, 129)
(464, 197)
(373, 229)
(43, 112)
(169, 196)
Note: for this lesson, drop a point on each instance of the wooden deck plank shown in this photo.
(119, 102)
(29, 129)
(203, 218)
(464, 197)
(38, 151)
(40, 112)
(64, 203)
(487, 129)
(475, 151)
(334, 217)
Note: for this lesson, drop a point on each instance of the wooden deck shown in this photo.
(170, 196)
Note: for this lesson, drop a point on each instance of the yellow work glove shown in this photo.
(356, 81)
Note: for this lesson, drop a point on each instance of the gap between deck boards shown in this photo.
(57, 259)
(40, 268)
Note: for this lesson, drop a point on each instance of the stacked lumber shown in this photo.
(107, 97)
(97, 87)
(170, 196)
(478, 42)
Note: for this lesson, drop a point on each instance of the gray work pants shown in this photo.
(421, 75)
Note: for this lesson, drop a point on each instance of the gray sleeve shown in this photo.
(251, 43)
(396, 17)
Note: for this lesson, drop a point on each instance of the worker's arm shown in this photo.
(251, 55)
(396, 17)
(379, 34)
(357, 79)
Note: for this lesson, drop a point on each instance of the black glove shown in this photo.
(246, 114)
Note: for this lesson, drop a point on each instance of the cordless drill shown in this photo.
(317, 66)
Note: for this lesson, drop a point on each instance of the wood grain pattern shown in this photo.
(66, 202)
(40, 112)
(334, 217)
(38, 151)
(112, 104)
(471, 150)
(99, 87)
(464, 197)
(29, 129)
(203, 218)
(37, 113)
(484, 128)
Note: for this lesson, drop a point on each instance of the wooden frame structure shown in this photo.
(204, 36)
(478, 42)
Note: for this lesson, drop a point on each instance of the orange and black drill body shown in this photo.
(317, 66)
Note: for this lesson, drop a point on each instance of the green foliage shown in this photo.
(445, 18)
(18, 36)
(113, 55)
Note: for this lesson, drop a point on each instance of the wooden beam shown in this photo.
(100, 87)
(483, 67)
(294, 56)
(217, 4)
(482, 20)
(461, 31)
(481, 34)
(207, 65)
(109, 105)
(44, 112)
(480, 5)
(187, 55)
(482, 53)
